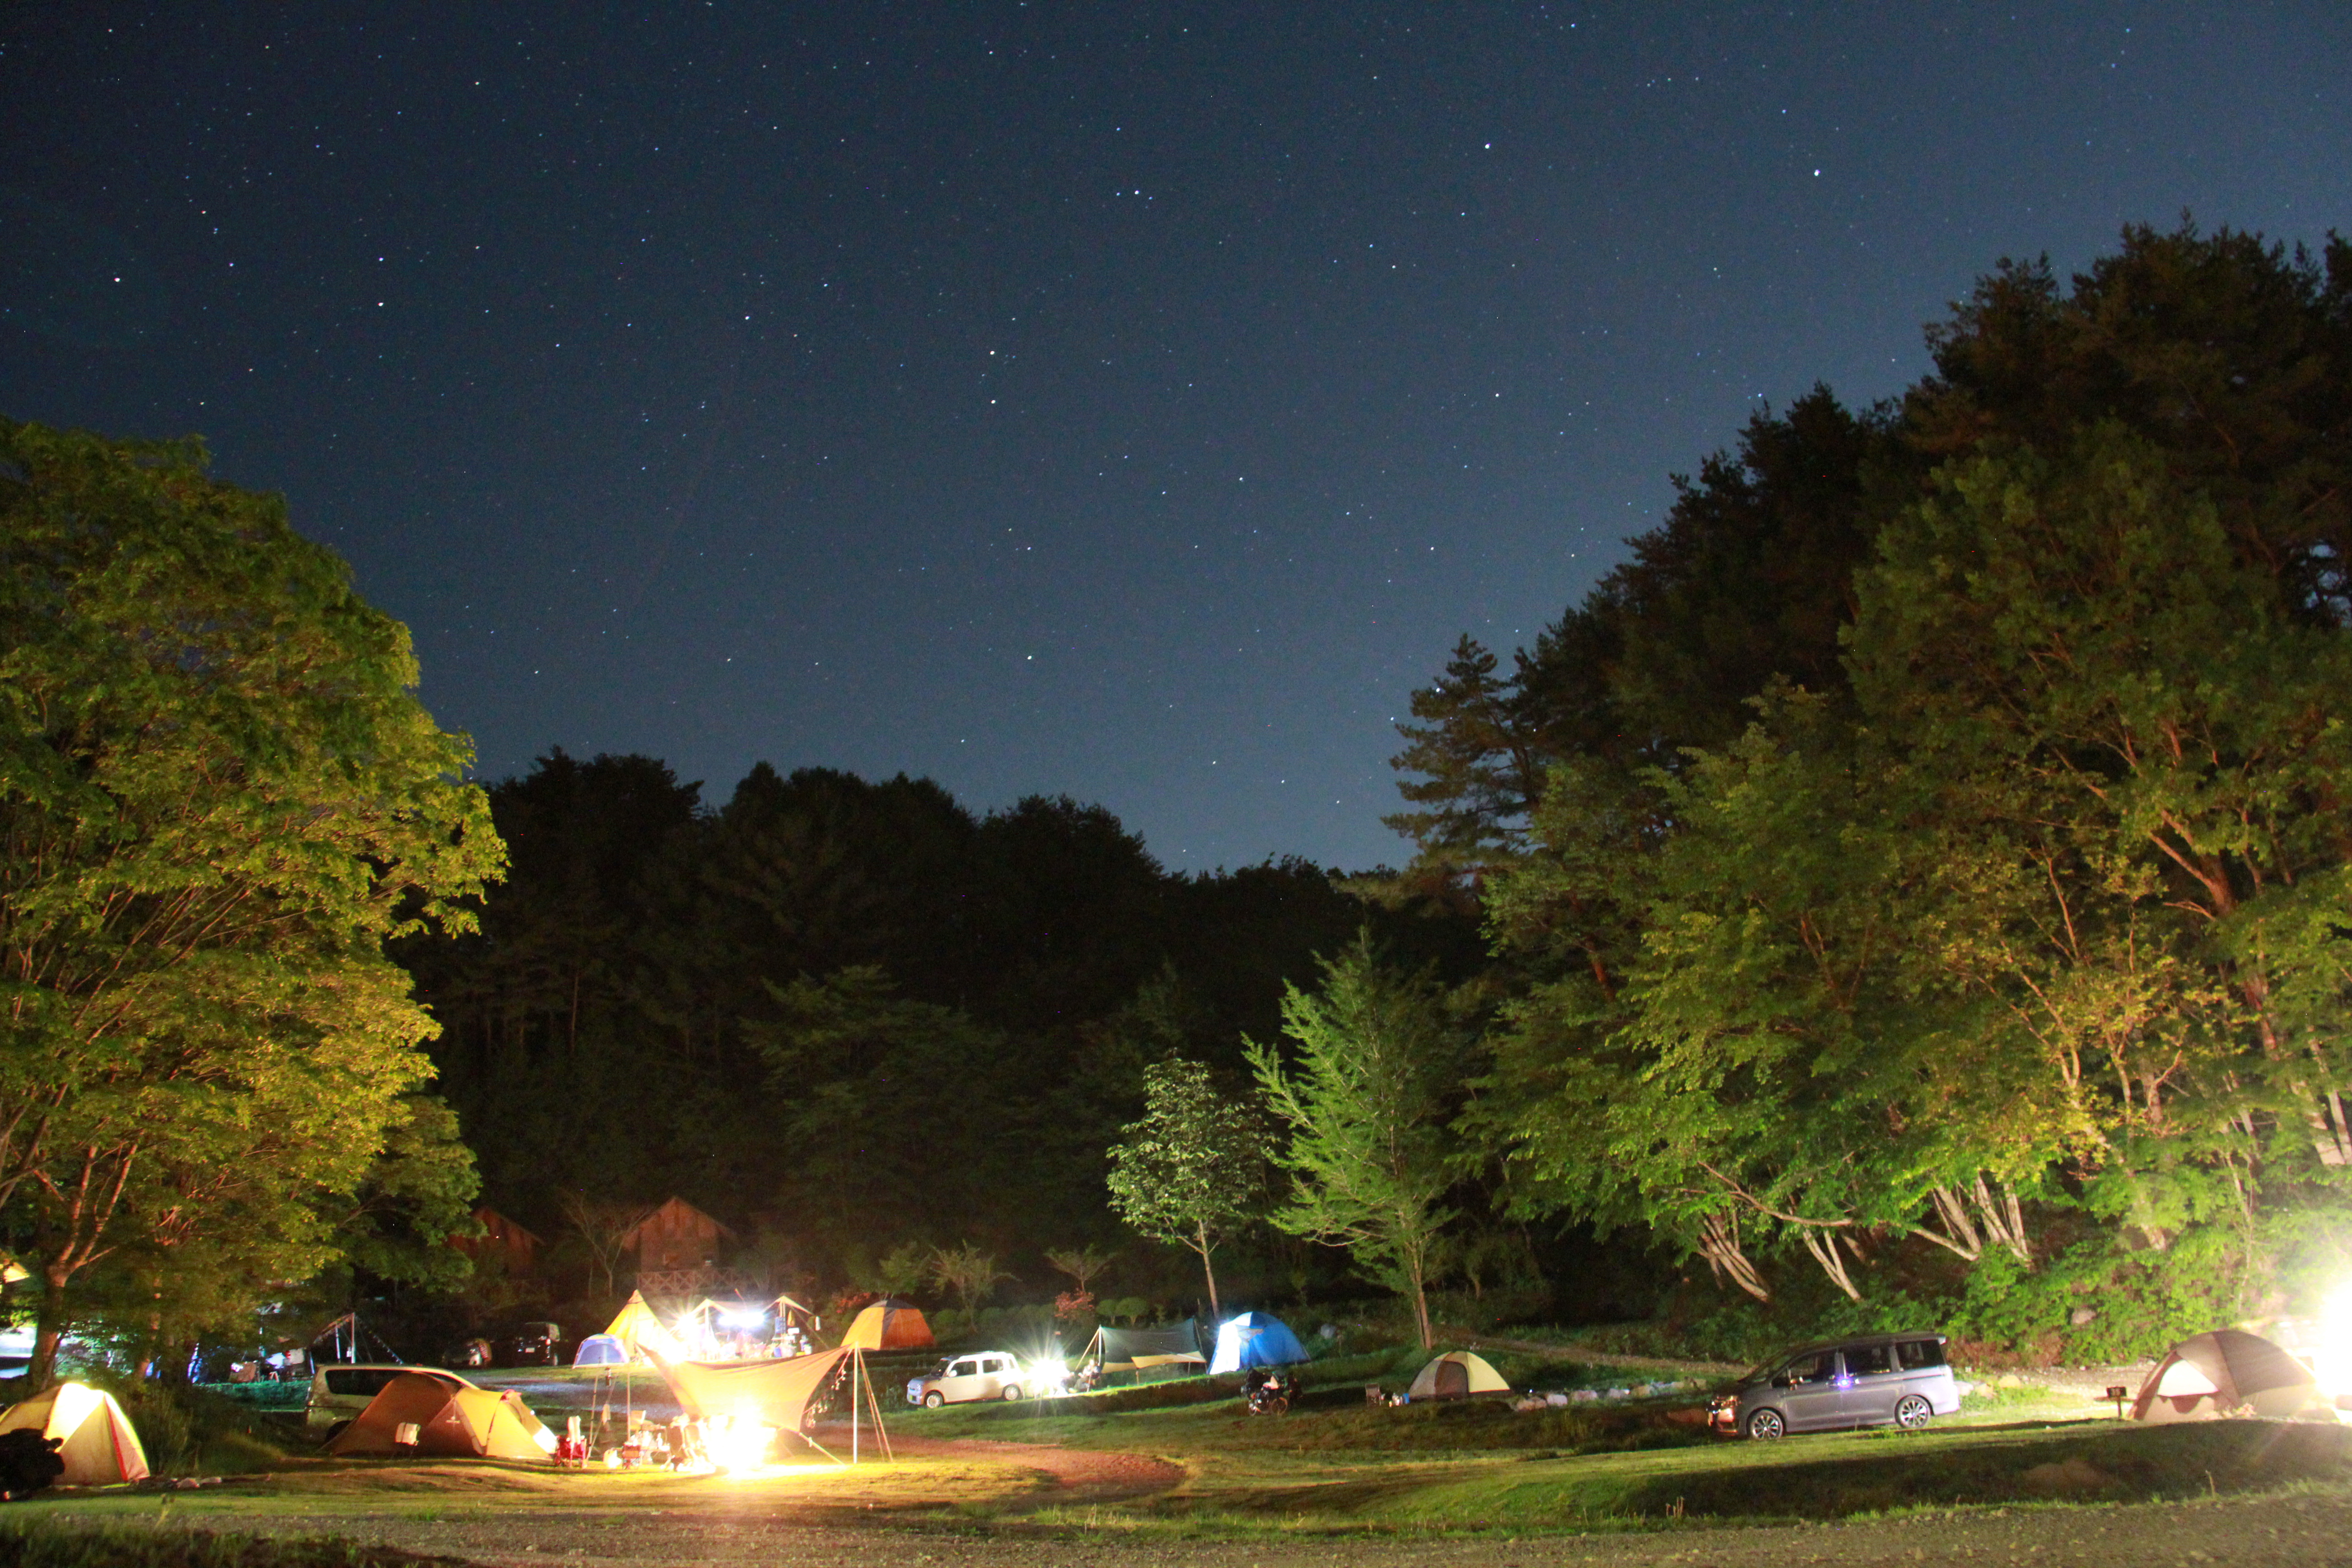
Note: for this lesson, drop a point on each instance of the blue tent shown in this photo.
(1254, 1339)
(601, 1350)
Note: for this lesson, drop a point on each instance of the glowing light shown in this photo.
(2331, 1356)
(744, 1317)
(737, 1444)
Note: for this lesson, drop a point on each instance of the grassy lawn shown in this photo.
(1333, 1465)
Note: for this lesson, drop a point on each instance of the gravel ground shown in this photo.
(2303, 1531)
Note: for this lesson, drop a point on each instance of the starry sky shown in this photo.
(1131, 401)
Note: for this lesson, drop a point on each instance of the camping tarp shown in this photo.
(450, 1421)
(889, 1325)
(1254, 1339)
(635, 1326)
(601, 1350)
(97, 1442)
(1164, 1344)
(778, 1392)
(1457, 1375)
(2213, 1375)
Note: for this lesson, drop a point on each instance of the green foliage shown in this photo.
(1192, 1170)
(218, 798)
(2034, 901)
(1378, 1060)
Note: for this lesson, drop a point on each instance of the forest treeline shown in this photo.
(1921, 872)
(845, 1016)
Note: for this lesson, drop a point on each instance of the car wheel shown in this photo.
(1011, 1391)
(1913, 1412)
(1766, 1425)
(933, 1400)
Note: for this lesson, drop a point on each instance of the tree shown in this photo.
(1378, 1069)
(1192, 1170)
(218, 798)
(967, 1271)
(1083, 1265)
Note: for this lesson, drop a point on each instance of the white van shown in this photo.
(988, 1375)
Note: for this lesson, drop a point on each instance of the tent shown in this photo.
(635, 1326)
(2216, 1374)
(889, 1324)
(461, 1423)
(1166, 1344)
(601, 1350)
(778, 1392)
(97, 1442)
(1254, 1339)
(1457, 1375)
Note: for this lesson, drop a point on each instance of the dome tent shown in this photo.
(1457, 1375)
(2213, 1375)
(95, 1438)
(601, 1350)
(889, 1324)
(1254, 1339)
(459, 1423)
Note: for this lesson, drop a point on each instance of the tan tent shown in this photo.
(97, 1440)
(778, 1392)
(635, 1326)
(889, 1325)
(456, 1422)
(2219, 1374)
(1457, 1375)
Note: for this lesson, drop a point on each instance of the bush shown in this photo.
(190, 1431)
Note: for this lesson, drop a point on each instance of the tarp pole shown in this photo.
(856, 1366)
(874, 1403)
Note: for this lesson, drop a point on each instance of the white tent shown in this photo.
(2216, 1374)
(1457, 1375)
(98, 1443)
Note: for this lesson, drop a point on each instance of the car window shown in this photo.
(1920, 1352)
(961, 1369)
(1819, 1366)
(1865, 1361)
(369, 1381)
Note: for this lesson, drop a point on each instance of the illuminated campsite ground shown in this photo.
(1006, 1485)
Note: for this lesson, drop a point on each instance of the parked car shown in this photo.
(988, 1375)
(1869, 1380)
(340, 1393)
(535, 1344)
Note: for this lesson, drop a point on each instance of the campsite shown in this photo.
(1165, 1451)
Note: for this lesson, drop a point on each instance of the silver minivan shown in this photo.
(1869, 1380)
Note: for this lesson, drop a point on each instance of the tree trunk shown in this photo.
(1201, 1246)
(1421, 1304)
(42, 1369)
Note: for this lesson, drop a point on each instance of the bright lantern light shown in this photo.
(738, 1443)
(744, 1317)
(2331, 1358)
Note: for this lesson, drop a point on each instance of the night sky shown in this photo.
(1127, 401)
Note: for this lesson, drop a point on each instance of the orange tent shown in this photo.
(778, 1392)
(889, 1325)
(460, 1423)
(97, 1440)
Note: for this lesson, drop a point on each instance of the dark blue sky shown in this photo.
(1129, 401)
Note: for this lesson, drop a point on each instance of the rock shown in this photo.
(2081, 1316)
(1582, 1395)
(2009, 1380)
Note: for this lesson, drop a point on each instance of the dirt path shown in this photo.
(1074, 1475)
(2298, 1532)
